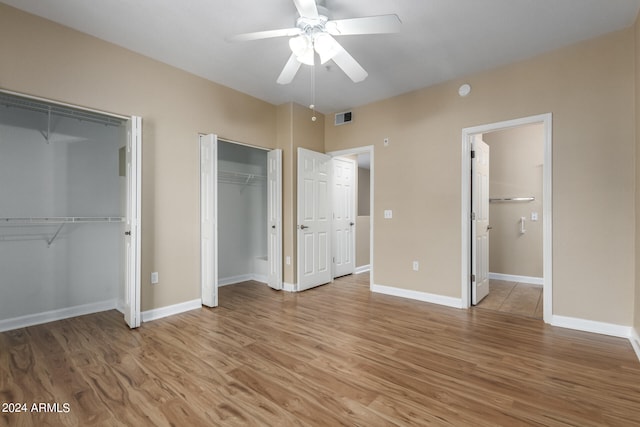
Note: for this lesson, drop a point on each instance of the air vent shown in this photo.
(342, 118)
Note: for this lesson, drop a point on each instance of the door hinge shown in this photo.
(473, 277)
(334, 260)
(473, 216)
(473, 154)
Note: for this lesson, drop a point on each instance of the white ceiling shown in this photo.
(440, 39)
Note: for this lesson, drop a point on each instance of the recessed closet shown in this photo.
(63, 211)
(242, 213)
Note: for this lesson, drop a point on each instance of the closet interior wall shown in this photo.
(61, 211)
(242, 213)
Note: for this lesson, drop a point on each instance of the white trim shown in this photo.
(520, 279)
(289, 287)
(419, 296)
(54, 315)
(362, 269)
(242, 278)
(603, 328)
(170, 310)
(635, 342)
(547, 196)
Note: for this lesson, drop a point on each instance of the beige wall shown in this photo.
(364, 192)
(517, 158)
(45, 59)
(637, 231)
(363, 241)
(589, 88)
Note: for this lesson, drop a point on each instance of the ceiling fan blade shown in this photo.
(382, 24)
(350, 66)
(307, 8)
(258, 35)
(289, 71)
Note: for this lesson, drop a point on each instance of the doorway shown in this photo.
(472, 265)
(70, 234)
(364, 209)
(241, 213)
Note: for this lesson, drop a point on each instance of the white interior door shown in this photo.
(479, 219)
(344, 220)
(314, 219)
(274, 220)
(132, 221)
(209, 219)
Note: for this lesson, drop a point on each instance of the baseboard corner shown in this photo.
(418, 296)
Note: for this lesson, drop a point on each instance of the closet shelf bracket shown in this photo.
(50, 241)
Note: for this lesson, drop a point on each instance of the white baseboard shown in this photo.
(635, 342)
(520, 279)
(416, 295)
(603, 328)
(289, 287)
(241, 278)
(362, 269)
(170, 310)
(53, 315)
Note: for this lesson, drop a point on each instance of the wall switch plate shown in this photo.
(416, 266)
(534, 216)
(388, 214)
(154, 278)
(288, 260)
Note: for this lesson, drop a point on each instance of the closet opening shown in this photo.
(69, 227)
(242, 213)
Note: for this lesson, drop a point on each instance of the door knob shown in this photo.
(302, 227)
(273, 226)
(352, 223)
(127, 233)
(489, 227)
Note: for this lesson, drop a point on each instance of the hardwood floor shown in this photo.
(521, 299)
(333, 355)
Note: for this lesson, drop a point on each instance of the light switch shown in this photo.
(388, 214)
(154, 278)
(534, 216)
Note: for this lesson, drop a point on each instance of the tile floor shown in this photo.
(522, 299)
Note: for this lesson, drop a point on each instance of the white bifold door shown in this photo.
(132, 235)
(344, 216)
(314, 219)
(209, 219)
(479, 219)
(274, 219)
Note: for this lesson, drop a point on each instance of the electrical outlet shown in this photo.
(154, 278)
(288, 260)
(534, 216)
(388, 214)
(416, 266)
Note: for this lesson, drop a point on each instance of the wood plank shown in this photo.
(333, 355)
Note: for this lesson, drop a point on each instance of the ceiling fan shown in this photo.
(314, 33)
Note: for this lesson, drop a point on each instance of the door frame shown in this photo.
(368, 149)
(214, 202)
(547, 198)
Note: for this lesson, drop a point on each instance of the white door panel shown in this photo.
(480, 220)
(344, 201)
(133, 231)
(274, 220)
(209, 219)
(314, 222)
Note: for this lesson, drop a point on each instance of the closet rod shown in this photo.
(513, 199)
(60, 220)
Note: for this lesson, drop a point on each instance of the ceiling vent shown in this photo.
(342, 118)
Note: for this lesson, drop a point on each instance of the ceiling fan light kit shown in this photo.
(314, 33)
